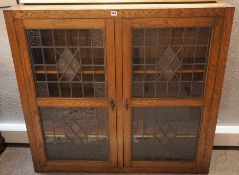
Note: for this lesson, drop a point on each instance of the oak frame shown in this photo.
(143, 102)
(224, 16)
(35, 102)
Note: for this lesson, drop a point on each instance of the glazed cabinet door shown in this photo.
(69, 65)
(168, 76)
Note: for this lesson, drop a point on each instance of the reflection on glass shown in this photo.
(165, 133)
(170, 62)
(75, 133)
(68, 63)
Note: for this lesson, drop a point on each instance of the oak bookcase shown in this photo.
(120, 88)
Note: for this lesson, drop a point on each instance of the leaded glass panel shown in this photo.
(75, 133)
(165, 133)
(170, 62)
(68, 63)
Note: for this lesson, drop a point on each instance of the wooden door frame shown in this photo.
(31, 102)
(164, 166)
(13, 19)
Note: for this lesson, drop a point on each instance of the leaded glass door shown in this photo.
(166, 84)
(72, 76)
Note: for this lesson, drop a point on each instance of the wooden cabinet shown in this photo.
(123, 88)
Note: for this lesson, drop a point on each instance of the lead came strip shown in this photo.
(73, 62)
(181, 56)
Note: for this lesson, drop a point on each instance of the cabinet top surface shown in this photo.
(121, 6)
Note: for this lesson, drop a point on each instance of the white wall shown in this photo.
(10, 107)
(229, 109)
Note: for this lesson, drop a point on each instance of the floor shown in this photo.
(17, 161)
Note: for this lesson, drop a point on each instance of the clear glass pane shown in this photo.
(170, 62)
(72, 62)
(165, 133)
(75, 133)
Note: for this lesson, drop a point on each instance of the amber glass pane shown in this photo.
(68, 63)
(165, 133)
(75, 133)
(170, 62)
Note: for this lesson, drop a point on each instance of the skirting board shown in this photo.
(16, 133)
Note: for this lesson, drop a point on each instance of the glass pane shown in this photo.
(170, 62)
(68, 63)
(75, 133)
(165, 133)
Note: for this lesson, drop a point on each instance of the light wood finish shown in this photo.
(210, 83)
(61, 23)
(118, 50)
(165, 102)
(164, 13)
(128, 24)
(80, 72)
(136, 72)
(172, 22)
(226, 26)
(196, 6)
(33, 119)
(72, 102)
(127, 74)
(111, 90)
(119, 91)
(115, 1)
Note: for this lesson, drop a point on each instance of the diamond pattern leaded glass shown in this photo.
(75, 133)
(68, 63)
(165, 133)
(170, 62)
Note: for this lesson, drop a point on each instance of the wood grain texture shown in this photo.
(21, 80)
(127, 86)
(34, 117)
(119, 77)
(224, 45)
(165, 102)
(71, 102)
(119, 91)
(209, 89)
(183, 6)
(61, 23)
(172, 22)
(115, 1)
(111, 90)
(205, 102)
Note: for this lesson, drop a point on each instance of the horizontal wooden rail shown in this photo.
(136, 72)
(71, 102)
(166, 102)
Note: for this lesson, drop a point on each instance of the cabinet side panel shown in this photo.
(225, 39)
(21, 79)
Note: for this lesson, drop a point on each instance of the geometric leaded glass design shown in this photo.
(68, 63)
(165, 133)
(170, 62)
(75, 133)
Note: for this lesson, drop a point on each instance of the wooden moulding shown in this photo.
(115, 1)
(119, 72)
(123, 10)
